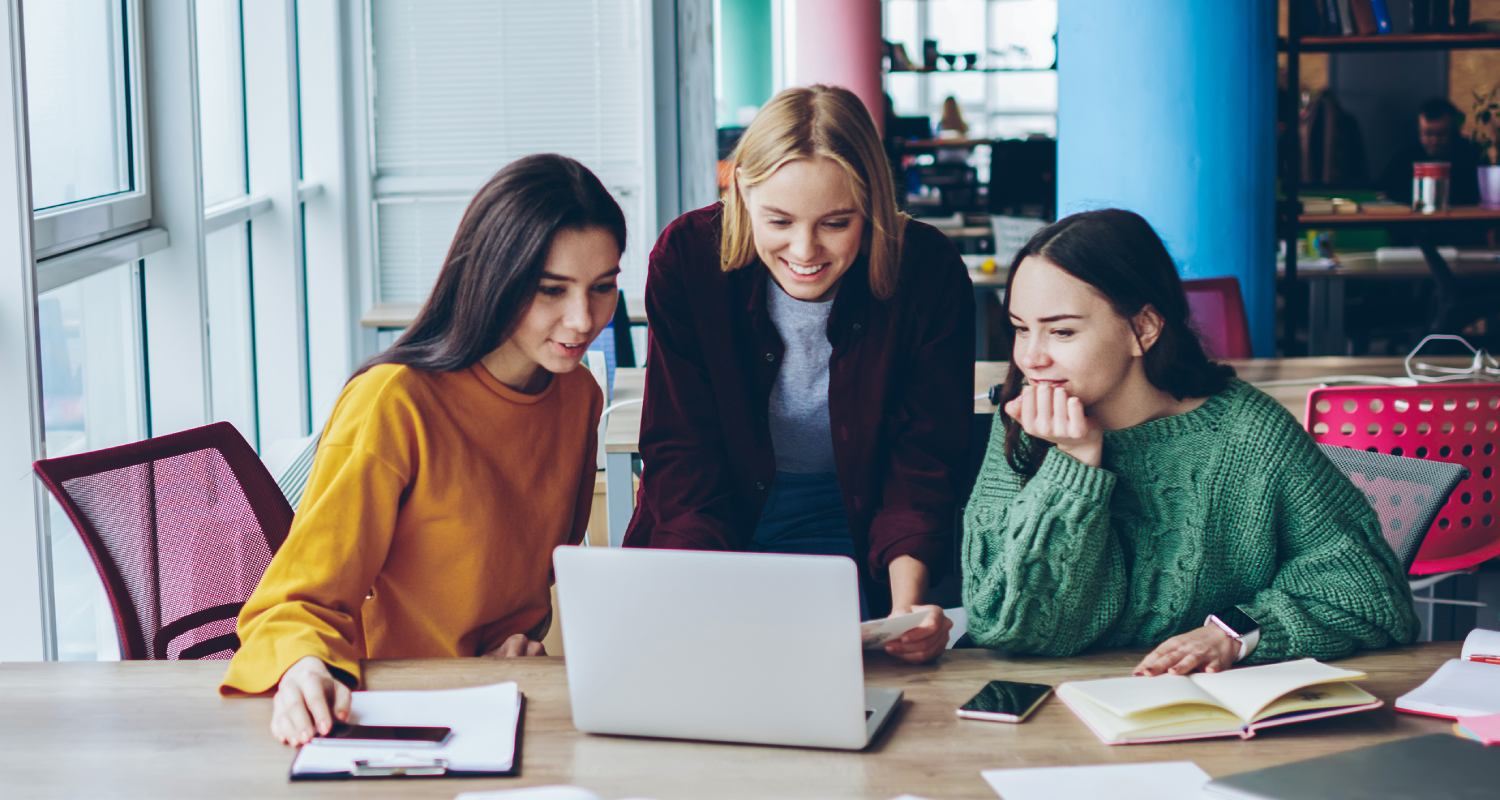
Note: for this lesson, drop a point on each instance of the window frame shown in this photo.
(159, 230)
(930, 102)
(26, 630)
(66, 227)
(674, 183)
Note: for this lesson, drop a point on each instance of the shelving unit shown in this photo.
(1289, 219)
(1012, 80)
(1461, 214)
(1394, 42)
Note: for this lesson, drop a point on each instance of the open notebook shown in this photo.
(486, 723)
(1164, 708)
(1467, 686)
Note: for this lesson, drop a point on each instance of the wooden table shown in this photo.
(988, 287)
(1325, 296)
(1327, 287)
(622, 431)
(159, 729)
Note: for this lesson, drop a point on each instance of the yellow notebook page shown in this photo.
(1313, 698)
(1182, 719)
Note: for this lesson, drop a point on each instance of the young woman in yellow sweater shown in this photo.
(453, 463)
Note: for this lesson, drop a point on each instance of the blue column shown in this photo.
(1168, 108)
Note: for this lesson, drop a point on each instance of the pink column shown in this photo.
(838, 43)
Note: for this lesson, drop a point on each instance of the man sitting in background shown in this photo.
(1438, 139)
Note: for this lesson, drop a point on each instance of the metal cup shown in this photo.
(1429, 186)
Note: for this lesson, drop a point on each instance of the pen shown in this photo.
(1485, 658)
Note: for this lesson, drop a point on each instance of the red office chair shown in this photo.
(180, 527)
(1454, 422)
(1218, 314)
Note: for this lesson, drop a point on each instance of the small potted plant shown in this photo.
(1487, 137)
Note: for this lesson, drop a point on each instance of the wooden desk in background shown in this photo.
(159, 729)
(622, 434)
(1327, 287)
(1325, 296)
(988, 287)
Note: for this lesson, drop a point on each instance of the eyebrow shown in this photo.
(841, 212)
(1053, 318)
(548, 276)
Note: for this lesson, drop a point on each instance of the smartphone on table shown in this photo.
(403, 735)
(1005, 701)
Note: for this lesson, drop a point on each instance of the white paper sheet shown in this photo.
(1481, 642)
(483, 719)
(1162, 780)
(876, 632)
(960, 619)
(532, 793)
(1458, 689)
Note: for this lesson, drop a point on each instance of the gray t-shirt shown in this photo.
(801, 435)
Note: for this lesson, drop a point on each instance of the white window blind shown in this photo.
(462, 87)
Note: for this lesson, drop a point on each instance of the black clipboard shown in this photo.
(422, 768)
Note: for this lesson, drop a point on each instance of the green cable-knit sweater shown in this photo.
(1228, 504)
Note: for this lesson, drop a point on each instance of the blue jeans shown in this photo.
(804, 515)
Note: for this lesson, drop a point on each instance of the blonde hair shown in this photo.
(818, 122)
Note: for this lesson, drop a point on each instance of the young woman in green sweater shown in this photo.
(1136, 494)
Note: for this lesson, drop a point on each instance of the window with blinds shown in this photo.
(462, 87)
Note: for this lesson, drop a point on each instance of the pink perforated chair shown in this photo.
(1218, 314)
(1454, 422)
(180, 527)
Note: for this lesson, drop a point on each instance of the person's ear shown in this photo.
(1147, 325)
(739, 186)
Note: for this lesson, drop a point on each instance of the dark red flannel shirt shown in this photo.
(900, 395)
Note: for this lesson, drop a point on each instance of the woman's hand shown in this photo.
(517, 645)
(1208, 648)
(925, 642)
(1052, 414)
(307, 702)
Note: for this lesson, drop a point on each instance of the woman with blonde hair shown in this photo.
(810, 372)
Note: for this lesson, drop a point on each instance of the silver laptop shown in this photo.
(733, 647)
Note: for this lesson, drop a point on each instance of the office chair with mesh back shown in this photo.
(180, 528)
(1218, 314)
(1406, 493)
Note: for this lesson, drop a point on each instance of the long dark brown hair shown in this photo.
(496, 260)
(1119, 254)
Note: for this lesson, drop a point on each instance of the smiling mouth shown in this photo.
(805, 271)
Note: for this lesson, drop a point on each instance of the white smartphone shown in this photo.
(1005, 701)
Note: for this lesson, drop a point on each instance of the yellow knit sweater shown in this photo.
(428, 523)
